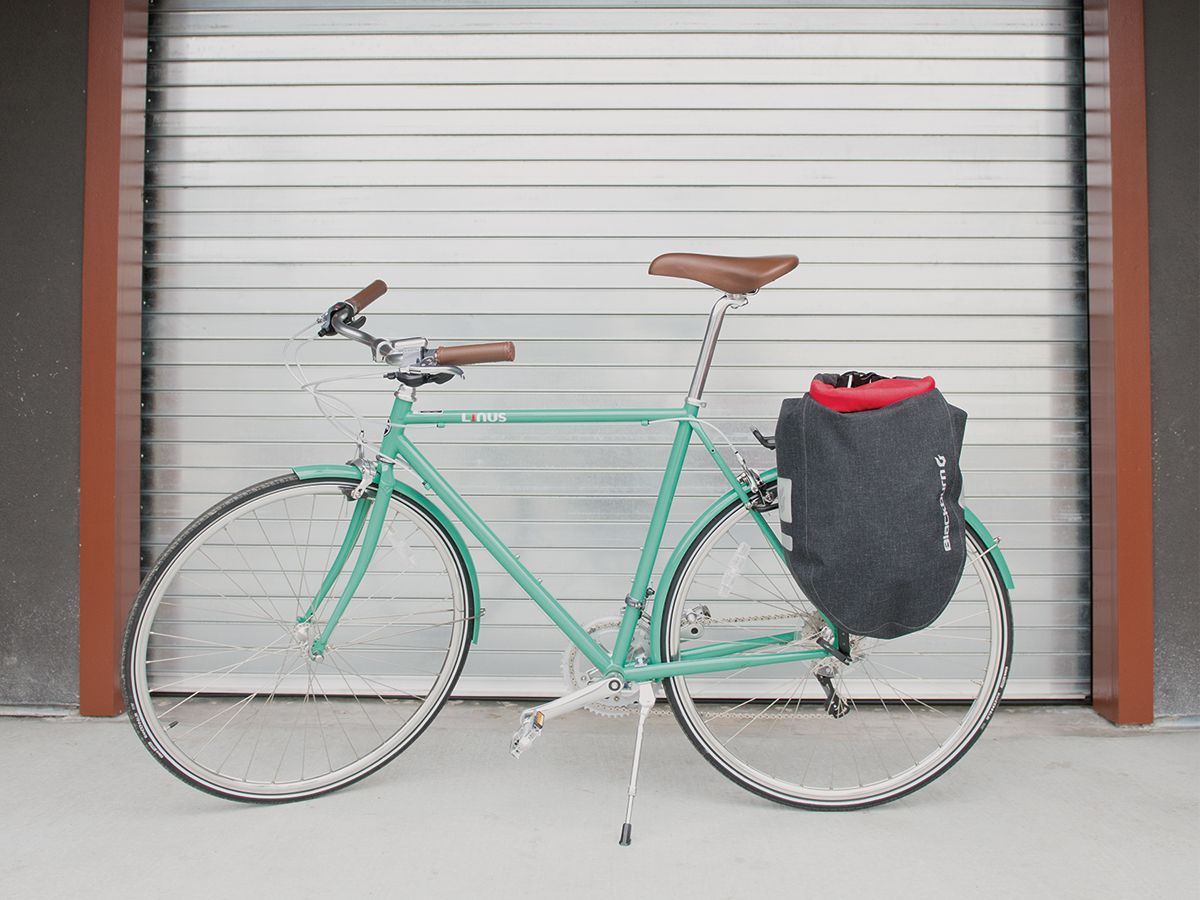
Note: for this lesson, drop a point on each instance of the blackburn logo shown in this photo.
(941, 464)
(485, 417)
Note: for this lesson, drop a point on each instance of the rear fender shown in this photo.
(305, 473)
(994, 545)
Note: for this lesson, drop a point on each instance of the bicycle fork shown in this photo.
(372, 512)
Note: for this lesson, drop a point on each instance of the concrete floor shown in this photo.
(1051, 803)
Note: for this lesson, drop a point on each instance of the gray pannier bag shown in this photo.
(869, 500)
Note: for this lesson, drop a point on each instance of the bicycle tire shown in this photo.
(685, 707)
(134, 678)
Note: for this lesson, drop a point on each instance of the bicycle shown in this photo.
(257, 668)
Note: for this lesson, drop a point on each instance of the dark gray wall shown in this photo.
(1173, 125)
(43, 71)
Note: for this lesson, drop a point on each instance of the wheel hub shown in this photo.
(304, 634)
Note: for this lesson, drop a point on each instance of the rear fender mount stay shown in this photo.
(353, 473)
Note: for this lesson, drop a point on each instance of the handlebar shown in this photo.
(469, 354)
(367, 295)
(406, 353)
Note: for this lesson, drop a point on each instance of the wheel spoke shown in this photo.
(259, 716)
(221, 672)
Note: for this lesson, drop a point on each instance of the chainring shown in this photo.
(578, 671)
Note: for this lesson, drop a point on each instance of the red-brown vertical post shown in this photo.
(110, 390)
(1119, 315)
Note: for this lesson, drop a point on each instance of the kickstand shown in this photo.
(645, 704)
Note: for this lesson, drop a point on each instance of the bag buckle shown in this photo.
(765, 440)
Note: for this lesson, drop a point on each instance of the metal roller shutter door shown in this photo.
(510, 170)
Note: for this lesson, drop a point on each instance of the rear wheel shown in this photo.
(218, 676)
(915, 704)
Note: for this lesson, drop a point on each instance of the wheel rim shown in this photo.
(221, 675)
(916, 702)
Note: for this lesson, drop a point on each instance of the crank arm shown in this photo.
(535, 718)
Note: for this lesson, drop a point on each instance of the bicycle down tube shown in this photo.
(396, 445)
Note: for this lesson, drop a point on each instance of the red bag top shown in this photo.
(870, 395)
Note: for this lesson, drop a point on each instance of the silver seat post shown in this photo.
(715, 318)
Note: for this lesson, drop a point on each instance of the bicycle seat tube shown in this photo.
(709, 346)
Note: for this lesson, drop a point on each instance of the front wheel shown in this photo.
(913, 705)
(219, 675)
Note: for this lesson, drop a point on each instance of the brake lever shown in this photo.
(347, 312)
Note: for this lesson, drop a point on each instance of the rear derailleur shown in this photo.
(825, 670)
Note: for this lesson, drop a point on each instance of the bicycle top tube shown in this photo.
(538, 416)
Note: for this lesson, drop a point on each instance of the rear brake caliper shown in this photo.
(762, 498)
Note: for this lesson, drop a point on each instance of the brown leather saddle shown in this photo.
(731, 274)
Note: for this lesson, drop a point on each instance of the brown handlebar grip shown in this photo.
(368, 295)
(468, 354)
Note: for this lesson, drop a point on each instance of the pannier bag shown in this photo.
(869, 487)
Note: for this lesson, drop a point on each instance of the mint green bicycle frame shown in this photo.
(369, 514)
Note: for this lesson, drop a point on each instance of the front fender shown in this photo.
(305, 473)
(697, 527)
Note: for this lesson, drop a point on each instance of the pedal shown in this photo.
(535, 718)
(527, 733)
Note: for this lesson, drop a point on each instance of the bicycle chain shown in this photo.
(763, 618)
